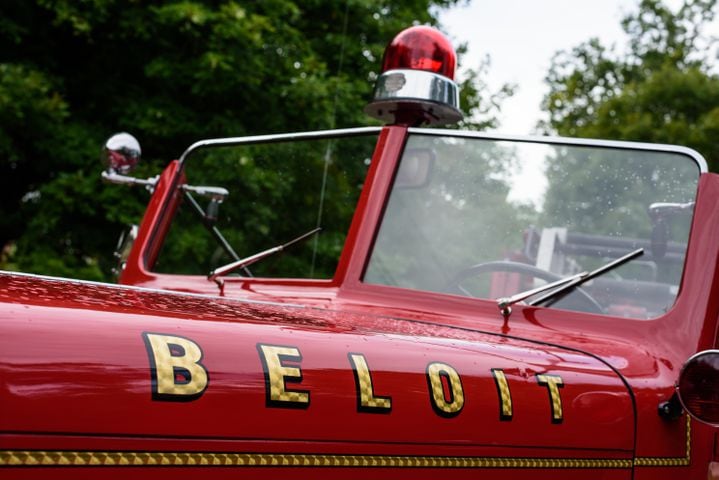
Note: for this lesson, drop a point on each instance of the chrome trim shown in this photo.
(697, 355)
(216, 193)
(274, 138)
(404, 90)
(117, 286)
(584, 142)
(505, 303)
(111, 176)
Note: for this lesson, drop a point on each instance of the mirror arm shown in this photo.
(112, 176)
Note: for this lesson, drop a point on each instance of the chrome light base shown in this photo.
(415, 97)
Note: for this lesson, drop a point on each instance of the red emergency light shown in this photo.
(421, 48)
(417, 85)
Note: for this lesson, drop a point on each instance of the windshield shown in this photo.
(247, 198)
(490, 218)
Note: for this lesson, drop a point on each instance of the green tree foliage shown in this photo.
(74, 72)
(660, 90)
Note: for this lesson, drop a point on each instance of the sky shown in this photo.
(521, 36)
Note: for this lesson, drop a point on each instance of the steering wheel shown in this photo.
(582, 301)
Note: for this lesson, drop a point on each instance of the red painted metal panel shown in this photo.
(85, 357)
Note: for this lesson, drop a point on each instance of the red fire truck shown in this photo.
(422, 302)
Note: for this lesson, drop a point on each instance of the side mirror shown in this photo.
(698, 386)
(121, 154)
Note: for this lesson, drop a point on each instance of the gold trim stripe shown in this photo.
(32, 458)
(10, 458)
(670, 461)
(661, 462)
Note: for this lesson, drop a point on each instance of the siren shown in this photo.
(417, 85)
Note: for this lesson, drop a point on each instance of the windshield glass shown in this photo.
(275, 192)
(488, 218)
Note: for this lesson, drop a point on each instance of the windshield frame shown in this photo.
(167, 210)
(433, 296)
(275, 138)
(556, 140)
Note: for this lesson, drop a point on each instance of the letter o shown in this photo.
(451, 402)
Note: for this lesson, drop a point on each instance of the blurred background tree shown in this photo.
(661, 89)
(74, 72)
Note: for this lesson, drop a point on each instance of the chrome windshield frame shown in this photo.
(582, 142)
(276, 138)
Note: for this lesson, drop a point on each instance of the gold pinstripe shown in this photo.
(29, 458)
(670, 461)
(118, 459)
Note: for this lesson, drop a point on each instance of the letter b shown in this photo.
(175, 368)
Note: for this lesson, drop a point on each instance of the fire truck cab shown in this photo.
(387, 302)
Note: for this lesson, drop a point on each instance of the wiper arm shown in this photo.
(564, 284)
(247, 261)
(505, 303)
(600, 271)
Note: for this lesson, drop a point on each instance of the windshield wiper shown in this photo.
(565, 284)
(247, 261)
(505, 303)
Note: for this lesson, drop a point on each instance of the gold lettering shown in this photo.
(505, 397)
(278, 375)
(367, 401)
(177, 374)
(450, 404)
(553, 384)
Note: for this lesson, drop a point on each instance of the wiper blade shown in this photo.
(579, 281)
(247, 261)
